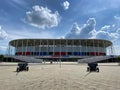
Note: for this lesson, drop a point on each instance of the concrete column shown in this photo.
(22, 47)
(98, 47)
(34, 48)
(39, 47)
(80, 47)
(17, 46)
(26, 47)
(94, 47)
(86, 47)
(53, 46)
(73, 47)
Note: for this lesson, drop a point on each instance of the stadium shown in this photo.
(64, 49)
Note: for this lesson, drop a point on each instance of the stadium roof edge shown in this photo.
(26, 41)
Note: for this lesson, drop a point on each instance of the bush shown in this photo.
(1, 58)
(118, 59)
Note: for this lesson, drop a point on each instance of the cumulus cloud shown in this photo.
(65, 5)
(105, 33)
(102, 35)
(3, 34)
(74, 32)
(113, 25)
(42, 17)
(106, 27)
(117, 18)
(88, 31)
(84, 31)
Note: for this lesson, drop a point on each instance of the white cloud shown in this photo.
(3, 34)
(74, 32)
(117, 18)
(104, 33)
(88, 31)
(113, 25)
(88, 28)
(106, 27)
(83, 32)
(65, 5)
(118, 30)
(42, 17)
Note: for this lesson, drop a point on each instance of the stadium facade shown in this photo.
(60, 48)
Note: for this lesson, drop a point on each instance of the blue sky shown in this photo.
(59, 19)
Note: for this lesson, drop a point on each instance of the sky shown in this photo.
(83, 19)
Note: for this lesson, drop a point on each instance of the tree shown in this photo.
(1, 58)
(118, 59)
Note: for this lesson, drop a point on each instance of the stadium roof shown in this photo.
(82, 42)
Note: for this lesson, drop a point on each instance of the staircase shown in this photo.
(27, 59)
(94, 59)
